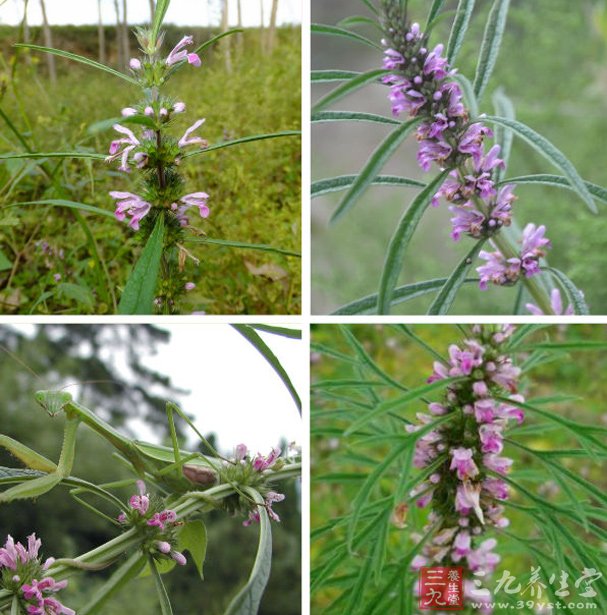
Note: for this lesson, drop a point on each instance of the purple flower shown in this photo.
(189, 286)
(179, 107)
(178, 53)
(466, 220)
(130, 142)
(128, 112)
(491, 438)
(197, 199)
(135, 64)
(271, 498)
(186, 140)
(462, 462)
(471, 142)
(435, 66)
(433, 151)
(132, 205)
(498, 270)
(501, 465)
(555, 302)
(240, 452)
(162, 518)
(179, 558)
(393, 59)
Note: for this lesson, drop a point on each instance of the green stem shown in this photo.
(15, 610)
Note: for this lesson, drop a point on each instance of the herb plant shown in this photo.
(443, 109)
(479, 456)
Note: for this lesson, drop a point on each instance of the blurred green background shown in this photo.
(254, 188)
(552, 65)
(69, 354)
(577, 374)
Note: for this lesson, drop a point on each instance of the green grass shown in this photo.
(254, 188)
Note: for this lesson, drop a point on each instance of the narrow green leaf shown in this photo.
(5, 263)
(121, 577)
(356, 116)
(469, 95)
(253, 337)
(459, 29)
(272, 135)
(503, 136)
(551, 153)
(355, 83)
(159, 13)
(398, 403)
(246, 602)
(368, 304)
(243, 246)
(334, 184)
(571, 345)
(576, 296)
(435, 9)
(370, 6)
(367, 360)
(557, 181)
(400, 240)
(53, 155)
(358, 20)
(329, 76)
(409, 333)
(294, 334)
(216, 39)
(443, 301)
(68, 204)
(192, 537)
(138, 120)
(78, 58)
(317, 28)
(138, 295)
(372, 480)
(163, 597)
(373, 166)
(15, 131)
(494, 30)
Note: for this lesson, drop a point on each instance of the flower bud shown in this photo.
(135, 64)
(199, 475)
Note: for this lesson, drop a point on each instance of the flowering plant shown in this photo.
(431, 99)
(475, 463)
(152, 198)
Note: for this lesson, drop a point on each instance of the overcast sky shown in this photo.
(181, 12)
(234, 393)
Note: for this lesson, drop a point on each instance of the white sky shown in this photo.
(234, 392)
(181, 12)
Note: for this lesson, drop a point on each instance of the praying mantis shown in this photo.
(165, 466)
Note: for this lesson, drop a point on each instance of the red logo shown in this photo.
(441, 589)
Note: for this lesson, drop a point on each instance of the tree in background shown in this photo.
(48, 41)
(101, 34)
(272, 29)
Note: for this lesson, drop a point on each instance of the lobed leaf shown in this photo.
(400, 240)
(494, 30)
(375, 163)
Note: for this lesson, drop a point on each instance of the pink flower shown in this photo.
(128, 112)
(162, 518)
(461, 546)
(197, 199)
(462, 462)
(163, 546)
(491, 438)
(179, 107)
(189, 286)
(483, 557)
(178, 53)
(467, 499)
(129, 141)
(140, 502)
(261, 463)
(132, 205)
(135, 64)
(496, 488)
(501, 465)
(179, 558)
(240, 452)
(555, 302)
(186, 140)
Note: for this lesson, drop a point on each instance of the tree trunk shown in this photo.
(119, 53)
(239, 25)
(261, 28)
(125, 35)
(101, 34)
(48, 41)
(26, 32)
(152, 8)
(272, 31)
(225, 25)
